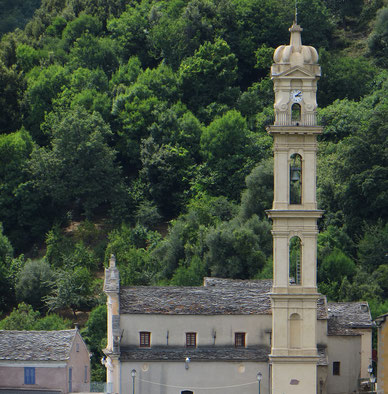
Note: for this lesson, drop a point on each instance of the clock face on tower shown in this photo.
(296, 95)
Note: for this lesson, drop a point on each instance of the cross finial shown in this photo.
(296, 12)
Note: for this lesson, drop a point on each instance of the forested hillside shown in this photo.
(138, 128)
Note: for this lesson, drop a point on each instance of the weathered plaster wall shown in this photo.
(241, 376)
(256, 327)
(341, 348)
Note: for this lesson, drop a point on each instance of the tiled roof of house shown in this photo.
(36, 345)
(216, 297)
(346, 318)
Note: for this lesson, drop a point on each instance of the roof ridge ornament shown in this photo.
(296, 12)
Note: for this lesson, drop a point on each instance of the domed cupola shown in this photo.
(295, 73)
(295, 54)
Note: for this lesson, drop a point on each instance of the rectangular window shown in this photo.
(145, 339)
(29, 375)
(191, 339)
(239, 339)
(336, 368)
(86, 374)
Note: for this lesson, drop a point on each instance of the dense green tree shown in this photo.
(25, 318)
(344, 77)
(139, 107)
(78, 171)
(341, 119)
(6, 249)
(179, 28)
(378, 41)
(43, 86)
(132, 250)
(229, 151)
(16, 13)
(259, 193)
(237, 250)
(6, 285)
(92, 52)
(166, 170)
(94, 334)
(125, 75)
(373, 247)
(15, 149)
(71, 289)
(21, 318)
(33, 283)
(254, 100)
(130, 31)
(52, 322)
(12, 85)
(352, 172)
(335, 266)
(26, 57)
(76, 28)
(87, 88)
(186, 236)
(345, 9)
(209, 75)
(190, 275)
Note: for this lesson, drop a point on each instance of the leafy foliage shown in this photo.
(33, 283)
(25, 318)
(148, 119)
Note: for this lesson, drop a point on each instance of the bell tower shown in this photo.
(294, 214)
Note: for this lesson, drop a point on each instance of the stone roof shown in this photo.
(210, 353)
(216, 297)
(346, 318)
(36, 345)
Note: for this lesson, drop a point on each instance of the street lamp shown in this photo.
(373, 381)
(133, 374)
(370, 369)
(259, 377)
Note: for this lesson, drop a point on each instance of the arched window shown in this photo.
(296, 113)
(295, 179)
(295, 261)
(295, 331)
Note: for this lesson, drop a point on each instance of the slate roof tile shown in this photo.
(347, 318)
(209, 353)
(216, 297)
(36, 345)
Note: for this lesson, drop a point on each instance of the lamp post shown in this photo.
(259, 377)
(373, 381)
(133, 374)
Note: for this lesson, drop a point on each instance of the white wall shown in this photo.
(241, 376)
(346, 350)
(177, 325)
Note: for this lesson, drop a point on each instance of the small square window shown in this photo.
(145, 339)
(336, 368)
(29, 375)
(191, 339)
(239, 339)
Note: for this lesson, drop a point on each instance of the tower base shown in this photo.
(294, 375)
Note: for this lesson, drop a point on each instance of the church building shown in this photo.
(275, 336)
